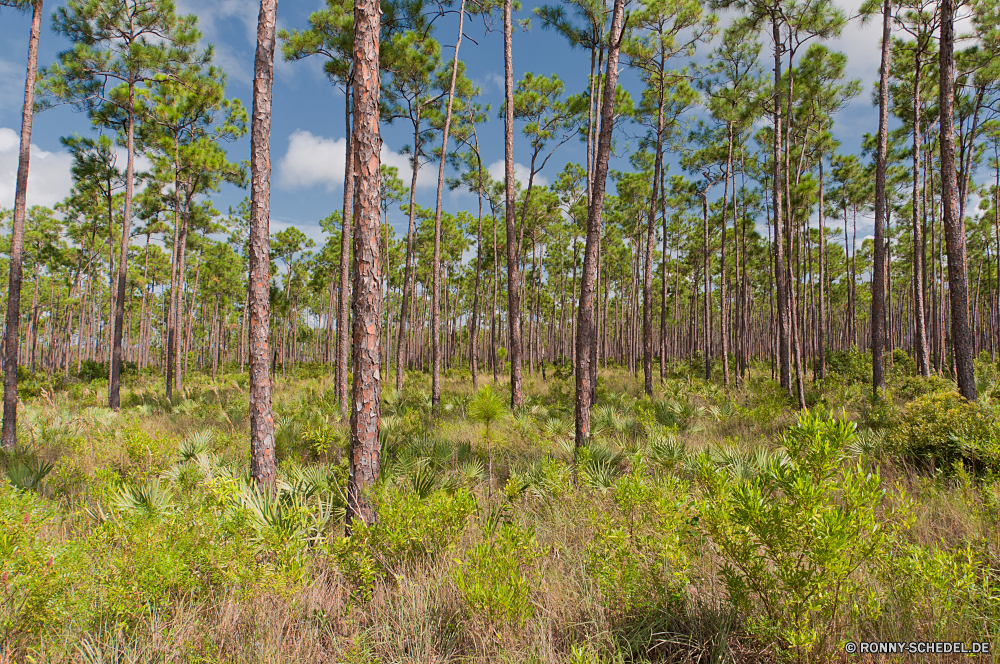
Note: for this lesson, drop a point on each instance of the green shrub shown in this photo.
(37, 572)
(408, 529)
(939, 429)
(851, 366)
(941, 594)
(636, 557)
(497, 576)
(793, 536)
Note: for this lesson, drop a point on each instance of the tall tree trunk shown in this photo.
(12, 332)
(343, 312)
(436, 295)
(822, 276)
(513, 269)
(474, 323)
(647, 277)
(114, 389)
(263, 466)
(954, 225)
(363, 469)
(878, 316)
(707, 311)
(780, 273)
(404, 312)
(723, 318)
(585, 327)
(920, 342)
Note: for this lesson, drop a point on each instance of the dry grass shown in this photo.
(419, 615)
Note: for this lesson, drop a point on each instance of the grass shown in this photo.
(142, 543)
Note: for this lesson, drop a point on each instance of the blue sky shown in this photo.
(308, 114)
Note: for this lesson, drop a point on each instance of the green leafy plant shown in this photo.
(488, 408)
(497, 576)
(794, 535)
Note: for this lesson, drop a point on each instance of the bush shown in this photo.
(92, 370)
(37, 574)
(939, 429)
(853, 366)
(408, 529)
(496, 580)
(636, 557)
(794, 535)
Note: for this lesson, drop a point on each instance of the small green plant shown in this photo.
(148, 499)
(487, 408)
(794, 535)
(497, 577)
(408, 529)
(24, 469)
(636, 556)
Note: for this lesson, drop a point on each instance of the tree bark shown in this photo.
(647, 278)
(780, 272)
(513, 269)
(436, 295)
(263, 466)
(954, 225)
(878, 317)
(343, 311)
(363, 470)
(12, 332)
(114, 388)
(585, 327)
(920, 343)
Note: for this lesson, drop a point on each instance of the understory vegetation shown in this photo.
(703, 525)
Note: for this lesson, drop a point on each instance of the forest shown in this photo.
(724, 389)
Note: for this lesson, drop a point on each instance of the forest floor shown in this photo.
(706, 524)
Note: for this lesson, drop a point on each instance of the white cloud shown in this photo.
(142, 162)
(497, 171)
(426, 176)
(49, 179)
(316, 160)
(312, 160)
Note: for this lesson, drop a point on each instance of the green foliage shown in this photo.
(794, 536)
(409, 529)
(37, 572)
(24, 469)
(939, 429)
(497, 576)
(850, 366)
(148, 499)
(636, 557)
(939, 590)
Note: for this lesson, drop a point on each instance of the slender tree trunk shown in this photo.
(401, 360)
(647, 278)
(954, 225)
(513, 269)
(13, 319)
(920, 342)
(436, 295)
(363, 469)
(822, 276)
(780, 273)
(878, 314)
(586, 327)
(343, 348)
(114, 389)
(474, 323)
(723, 318)
(263, 466)
(707, 311)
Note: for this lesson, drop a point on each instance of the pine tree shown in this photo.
(12, 333)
